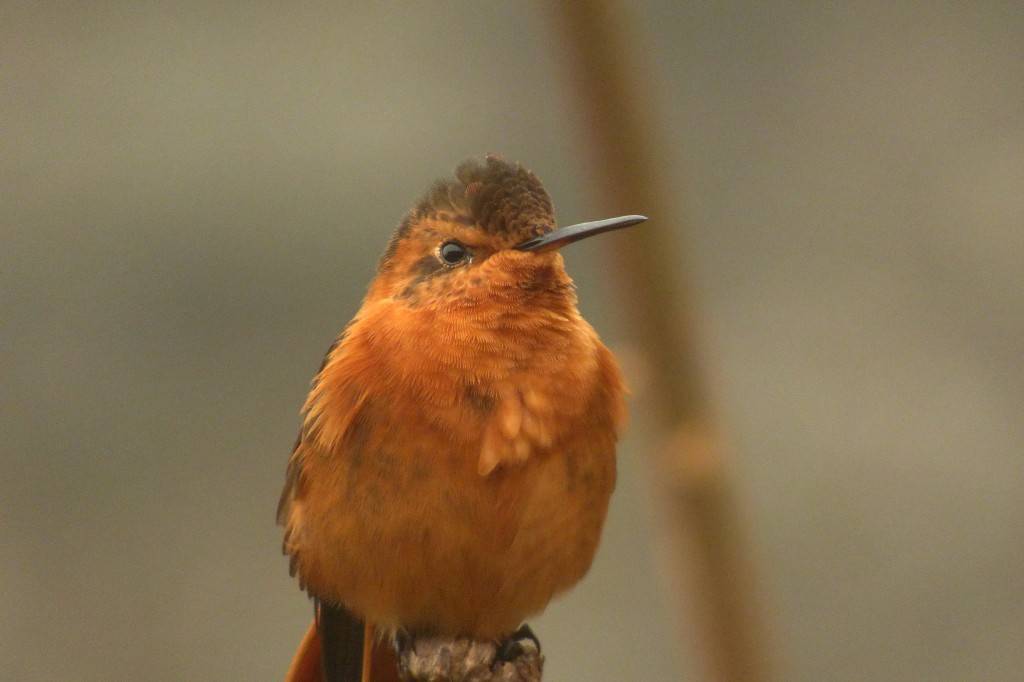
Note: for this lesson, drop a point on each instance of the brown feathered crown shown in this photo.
(496, 196)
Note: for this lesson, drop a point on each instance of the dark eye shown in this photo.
(454, 253)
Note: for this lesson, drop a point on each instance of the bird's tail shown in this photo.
(306, 665)
(339, 647)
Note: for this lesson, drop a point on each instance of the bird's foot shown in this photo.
(512, 648)
(403, 642)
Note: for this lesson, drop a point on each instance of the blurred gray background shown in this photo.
(192, 201)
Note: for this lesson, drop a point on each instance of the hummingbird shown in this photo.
(457, 450)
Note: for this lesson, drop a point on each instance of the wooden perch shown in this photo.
(435, 659)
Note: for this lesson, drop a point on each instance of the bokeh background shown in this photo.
(193, 198)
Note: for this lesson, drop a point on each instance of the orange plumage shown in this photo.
(457, 453)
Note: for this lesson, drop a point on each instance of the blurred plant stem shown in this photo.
(710, 546)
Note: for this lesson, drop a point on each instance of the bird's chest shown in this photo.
(449, 464)
(492, 390)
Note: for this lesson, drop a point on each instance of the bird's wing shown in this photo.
(332, 649)
(342, 646)
(293, 473)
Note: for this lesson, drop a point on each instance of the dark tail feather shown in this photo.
(341, 643)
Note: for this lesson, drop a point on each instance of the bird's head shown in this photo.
(488, 234)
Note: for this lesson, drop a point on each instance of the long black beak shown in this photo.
(556, 239)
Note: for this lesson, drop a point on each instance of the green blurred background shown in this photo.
(192, 201)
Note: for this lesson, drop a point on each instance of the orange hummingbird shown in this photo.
(457, 451)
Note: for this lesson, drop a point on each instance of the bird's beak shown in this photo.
(556, 239)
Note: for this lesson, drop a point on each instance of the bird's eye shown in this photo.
(454, 253)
